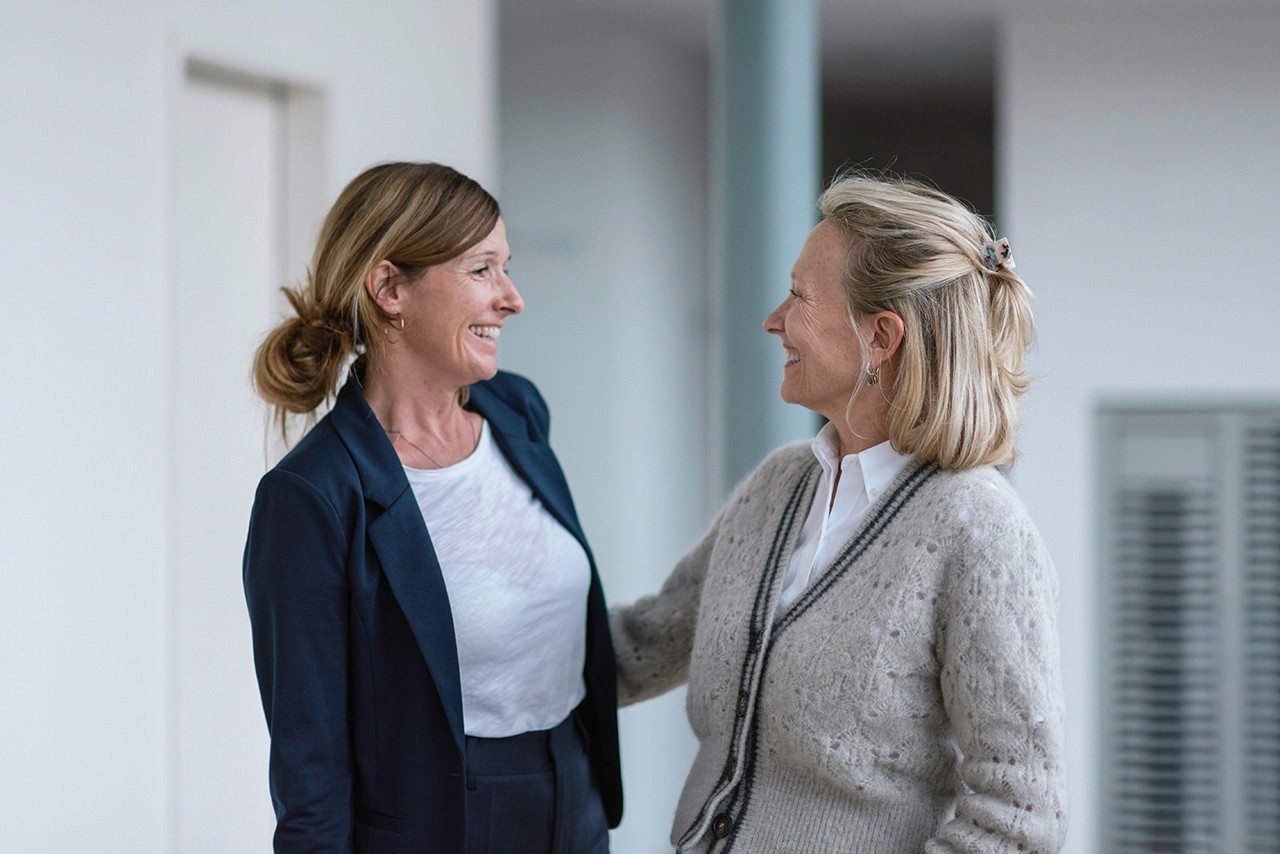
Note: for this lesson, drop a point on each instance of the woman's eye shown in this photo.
(479, 271)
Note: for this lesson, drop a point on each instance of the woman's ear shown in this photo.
(383, 284)
(887, 331)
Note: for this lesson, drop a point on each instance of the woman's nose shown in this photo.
(773, 322)
(512, 302)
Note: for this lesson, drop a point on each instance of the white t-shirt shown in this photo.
(517, 583)
(828, 527)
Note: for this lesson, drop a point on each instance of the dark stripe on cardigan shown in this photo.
(869, 533)
(857, 546)
(762, 618)
(757, 624)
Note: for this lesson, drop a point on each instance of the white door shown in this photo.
(229, 234)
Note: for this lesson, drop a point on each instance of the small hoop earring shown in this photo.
(387, 330)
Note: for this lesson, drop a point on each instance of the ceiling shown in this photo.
(865, 43)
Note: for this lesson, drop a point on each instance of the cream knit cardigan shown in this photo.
(908, 700)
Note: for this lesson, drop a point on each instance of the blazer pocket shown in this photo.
(378, 820)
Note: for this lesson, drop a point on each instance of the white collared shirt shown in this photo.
(863, 477)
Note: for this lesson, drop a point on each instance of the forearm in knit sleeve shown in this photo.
(653, 637)
(1002, 688)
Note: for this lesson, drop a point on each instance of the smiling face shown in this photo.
(823, 356)
(454, 311)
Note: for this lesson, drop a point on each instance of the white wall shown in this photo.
(86, 95)
(604, 158)
(1140, 180)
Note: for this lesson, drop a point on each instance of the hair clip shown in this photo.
(996, 255)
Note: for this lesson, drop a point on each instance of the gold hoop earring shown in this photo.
(386, 331)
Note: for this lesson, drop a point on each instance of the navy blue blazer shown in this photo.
(353, 637)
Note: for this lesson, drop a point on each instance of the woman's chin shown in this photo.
(485, 371)
(788, 394)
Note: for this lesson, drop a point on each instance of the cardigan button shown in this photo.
(742, 703)
(721, 825)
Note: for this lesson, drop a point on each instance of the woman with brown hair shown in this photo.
(868, 631)
(429, 628)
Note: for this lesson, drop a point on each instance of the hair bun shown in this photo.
(312, 343)
(297, 364)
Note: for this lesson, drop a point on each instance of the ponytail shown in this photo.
(298, 365)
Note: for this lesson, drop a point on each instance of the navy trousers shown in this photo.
(534, 793)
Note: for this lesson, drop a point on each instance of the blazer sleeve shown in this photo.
(296, 590)
(1002, 689)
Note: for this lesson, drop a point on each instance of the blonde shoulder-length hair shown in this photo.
(923, 255)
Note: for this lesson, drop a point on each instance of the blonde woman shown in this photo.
(868, 630)
(429, 631)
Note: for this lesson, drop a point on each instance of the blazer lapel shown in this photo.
(403, 546)
(532, 460)
(412, 569)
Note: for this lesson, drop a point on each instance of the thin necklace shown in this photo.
(475, 440)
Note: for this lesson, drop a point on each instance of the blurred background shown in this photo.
(164, 165)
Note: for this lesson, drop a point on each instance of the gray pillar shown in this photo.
(765, 156)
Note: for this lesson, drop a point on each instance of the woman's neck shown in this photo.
(863, 421)
(856, 440)
(412, 405)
